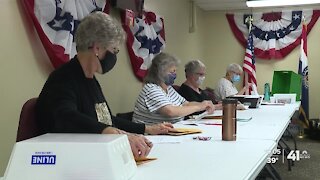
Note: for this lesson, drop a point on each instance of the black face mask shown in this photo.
(108, 62)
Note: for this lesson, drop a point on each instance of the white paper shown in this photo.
(216, 113)
(200, 116)
(254, 89)
(164, 139)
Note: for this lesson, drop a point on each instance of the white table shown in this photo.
(207, 160)
(267, 123)
(217, 159)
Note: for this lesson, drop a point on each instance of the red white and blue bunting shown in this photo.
(275, 34)
(56, 22)
(145, 39)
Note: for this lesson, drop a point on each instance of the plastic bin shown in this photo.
(287, 82)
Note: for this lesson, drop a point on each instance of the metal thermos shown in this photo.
(229, 119)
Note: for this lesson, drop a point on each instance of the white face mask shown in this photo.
(200, 80)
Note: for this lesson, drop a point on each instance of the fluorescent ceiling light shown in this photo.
(266, 3)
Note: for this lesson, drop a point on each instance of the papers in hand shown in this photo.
(216, 115)
(200, 116)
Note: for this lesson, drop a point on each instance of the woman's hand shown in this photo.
(247, 86)
(112, 130)
(140, 145)
(162, 128)
(218, 106)
(207, 106)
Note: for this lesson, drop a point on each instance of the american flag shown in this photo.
(303, 71)
(249, 66)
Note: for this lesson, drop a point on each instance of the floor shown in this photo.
(308, 165)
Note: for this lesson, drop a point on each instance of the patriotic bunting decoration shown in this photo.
(145, 39)
(56, 22)
(275, 34)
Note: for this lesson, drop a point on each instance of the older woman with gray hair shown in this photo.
(226, 87)
(72, 101)
(195, 72)
(158, 101)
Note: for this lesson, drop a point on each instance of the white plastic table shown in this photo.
(207, 160)
(217, 159)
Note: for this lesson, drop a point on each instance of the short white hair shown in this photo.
(192, 67)
(234, 68)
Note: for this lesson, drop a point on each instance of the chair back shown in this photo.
(28, 127)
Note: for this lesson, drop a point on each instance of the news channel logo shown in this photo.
(282, 154)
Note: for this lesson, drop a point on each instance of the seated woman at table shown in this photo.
(226, 87)
(158, 101)
(195, 72)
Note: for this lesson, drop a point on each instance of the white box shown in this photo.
(72, 157)
(285, 98)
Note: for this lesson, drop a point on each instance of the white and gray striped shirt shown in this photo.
(151, 99)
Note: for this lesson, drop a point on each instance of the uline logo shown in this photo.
(43, 159)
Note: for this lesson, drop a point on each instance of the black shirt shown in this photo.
(191, 95)
(67, 101)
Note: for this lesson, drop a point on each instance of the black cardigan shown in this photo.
(67, 101)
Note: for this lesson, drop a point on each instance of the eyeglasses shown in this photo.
(201, 74)
(236, 73)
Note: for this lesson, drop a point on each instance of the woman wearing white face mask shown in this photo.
(226, 87)
(195, 72)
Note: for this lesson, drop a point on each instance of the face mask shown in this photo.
(200, 80)
(235, 78)
(108, 62)
(170, 79)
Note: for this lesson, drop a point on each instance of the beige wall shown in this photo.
(222, 48)
(25, 65)
(23, 70)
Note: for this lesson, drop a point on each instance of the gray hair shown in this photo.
(98, 27)
(192, 67)
(234, 68)
(158, 69)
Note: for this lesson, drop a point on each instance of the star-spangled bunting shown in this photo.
(56, 22)
(145, 39)
(275, 34)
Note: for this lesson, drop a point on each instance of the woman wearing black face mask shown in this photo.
(72, 101)
(158, 101)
